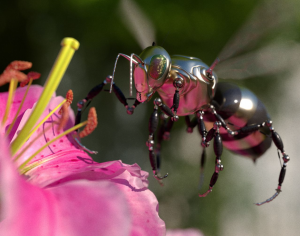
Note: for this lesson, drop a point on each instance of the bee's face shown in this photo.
(153, 73)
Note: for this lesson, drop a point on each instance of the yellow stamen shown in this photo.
(18, 112)
(46, 118)
(69, 45)
(51, 141)
(12, 88)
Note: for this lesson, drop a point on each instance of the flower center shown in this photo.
(69, 46)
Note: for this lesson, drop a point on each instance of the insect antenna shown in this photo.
(209, 71)
(133, 59)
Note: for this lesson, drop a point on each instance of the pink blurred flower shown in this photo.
(184, 232)
(62, 191)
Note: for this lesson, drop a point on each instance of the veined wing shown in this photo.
(272, 24)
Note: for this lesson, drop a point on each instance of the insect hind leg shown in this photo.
(279, 144)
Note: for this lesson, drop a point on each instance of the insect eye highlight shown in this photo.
(158, 65)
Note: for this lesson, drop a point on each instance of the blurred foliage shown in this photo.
(32, 30)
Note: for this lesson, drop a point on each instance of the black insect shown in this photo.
(225, 114)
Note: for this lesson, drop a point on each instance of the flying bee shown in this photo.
(187, 86)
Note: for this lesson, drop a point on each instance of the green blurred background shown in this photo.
(32, 30)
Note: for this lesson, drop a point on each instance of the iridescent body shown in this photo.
(237, 106)
(225, 114)
(197, 90)
(241, 108)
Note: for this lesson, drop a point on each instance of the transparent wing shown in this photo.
(246, 54)
(276, 57)
(137, 23)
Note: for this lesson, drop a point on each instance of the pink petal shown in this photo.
(78, 207)
(32, 97)
(61, 195)
(71, 165)
(129, 179)
(145, 219)
(43, 135)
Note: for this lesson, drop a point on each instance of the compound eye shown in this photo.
(158, 66)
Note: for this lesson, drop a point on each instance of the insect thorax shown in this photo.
(197, 90)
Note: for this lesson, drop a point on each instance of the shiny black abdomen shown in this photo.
(240, 107)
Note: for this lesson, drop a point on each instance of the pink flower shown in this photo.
(184, 232)
(61, 190)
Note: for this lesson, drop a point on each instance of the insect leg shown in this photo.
(160, 139)
(165, 109)
(84, 103)
(218, 149)
(279, 144)
(221, 120)
(81, 105)
(153, 122)
(163, 134)
(204, 143)
(118, 92)
(190, 124)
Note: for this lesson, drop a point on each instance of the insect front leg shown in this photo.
(84, 103)
(163, 134)
(81, 106)
(118, 92)
(153, 123)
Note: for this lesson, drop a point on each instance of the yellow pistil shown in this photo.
(22, 102)
(51, 141)
(46, 118)
(12, 88)
(69, 45)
